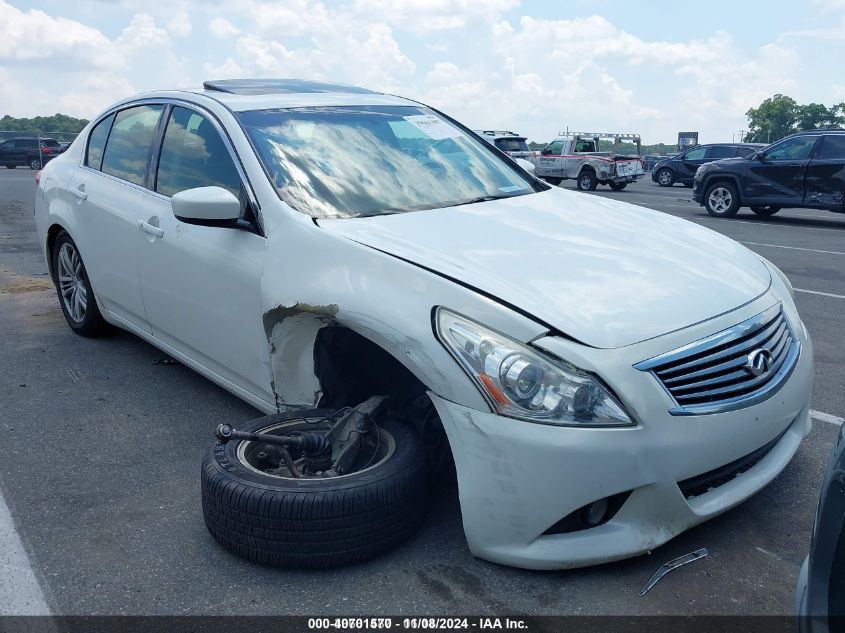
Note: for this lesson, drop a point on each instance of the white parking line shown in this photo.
(817, 292)
(20, 593)
(793, 248)
(826, 417)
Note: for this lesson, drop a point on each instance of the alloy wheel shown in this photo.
(720, 200)
(72, 282)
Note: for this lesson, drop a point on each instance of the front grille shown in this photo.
(717, 373)
(698, 485)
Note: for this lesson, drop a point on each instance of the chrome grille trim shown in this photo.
(708, 376)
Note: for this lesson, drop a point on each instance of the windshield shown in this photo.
(512, 144)
(367, 160)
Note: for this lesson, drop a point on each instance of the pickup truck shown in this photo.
(577, 155)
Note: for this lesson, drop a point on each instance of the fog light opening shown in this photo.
(595, 513)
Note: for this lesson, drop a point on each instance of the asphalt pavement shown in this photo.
(101, 450)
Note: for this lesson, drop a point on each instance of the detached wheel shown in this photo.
(765, 211)
(266, 515)
(74, 289)
(587, 181)
(665, 177)
(35, 164)
(618, 186)
(722, 200)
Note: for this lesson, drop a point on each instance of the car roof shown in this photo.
(835, 130)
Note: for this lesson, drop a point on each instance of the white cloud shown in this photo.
(180, 23)
(142, 33)
(422, 16)
(36, 36)
(222, 28)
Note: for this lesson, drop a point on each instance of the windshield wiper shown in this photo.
(497, 196)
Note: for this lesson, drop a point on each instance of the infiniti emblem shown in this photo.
(759, 362)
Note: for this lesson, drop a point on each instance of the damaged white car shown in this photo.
(396, 294)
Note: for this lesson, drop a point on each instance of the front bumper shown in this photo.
(697, 191)
(517, 479)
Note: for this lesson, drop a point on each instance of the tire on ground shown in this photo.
(618, 186)
(665, 177)
(721, 199)
(92, 324)
(587, 180)
(314, 522)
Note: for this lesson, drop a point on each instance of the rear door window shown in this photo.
(742, 152)
(696, 154)
(97, 142)
(194, 155)
(832, 147)
(720, 151)
(128, 149)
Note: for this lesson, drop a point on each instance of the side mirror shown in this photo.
(761, 156)
(206, 204)
(545, 151)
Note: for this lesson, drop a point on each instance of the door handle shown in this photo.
(79, 193)
(146, 227)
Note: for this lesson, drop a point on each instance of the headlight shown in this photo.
(521, 383)
(780, 274)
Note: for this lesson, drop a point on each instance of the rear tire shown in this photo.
(314, 522)
(10, 166)
(587, 181)
(553, 181)
(665, 177)
(765, 211)
(76, 297)
(618, 186)
(721, 199)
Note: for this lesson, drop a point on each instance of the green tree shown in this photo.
(815, 115)
(57, 125)
(771, 120)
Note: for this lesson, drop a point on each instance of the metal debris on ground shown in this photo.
(674, 564)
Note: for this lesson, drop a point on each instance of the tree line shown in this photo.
(49, 124)
(780, 116)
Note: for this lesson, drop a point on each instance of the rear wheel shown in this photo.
(587, 181)
(765, 211)
(665, 177)
(618, 186)
(76, 297)
(722, 200)
(553, 181)
(10, 166)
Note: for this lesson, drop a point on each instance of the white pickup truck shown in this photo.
(576, 155)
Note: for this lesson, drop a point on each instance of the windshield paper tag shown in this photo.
(432, 126)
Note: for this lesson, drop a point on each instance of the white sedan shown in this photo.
(370, 273)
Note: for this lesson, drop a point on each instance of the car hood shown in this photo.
(604, 272)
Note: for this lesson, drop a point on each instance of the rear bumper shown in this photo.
(517, 479)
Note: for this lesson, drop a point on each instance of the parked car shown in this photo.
(805, 170)
(577, 156)
(393, 292)
(510, 143)
(681, 168)
(820, 595)
(24, 151)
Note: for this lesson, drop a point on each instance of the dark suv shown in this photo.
(681, 168)
(803, 170)
(24, 151)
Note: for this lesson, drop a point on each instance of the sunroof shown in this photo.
(278, 86)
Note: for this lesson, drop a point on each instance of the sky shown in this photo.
(536, 67)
